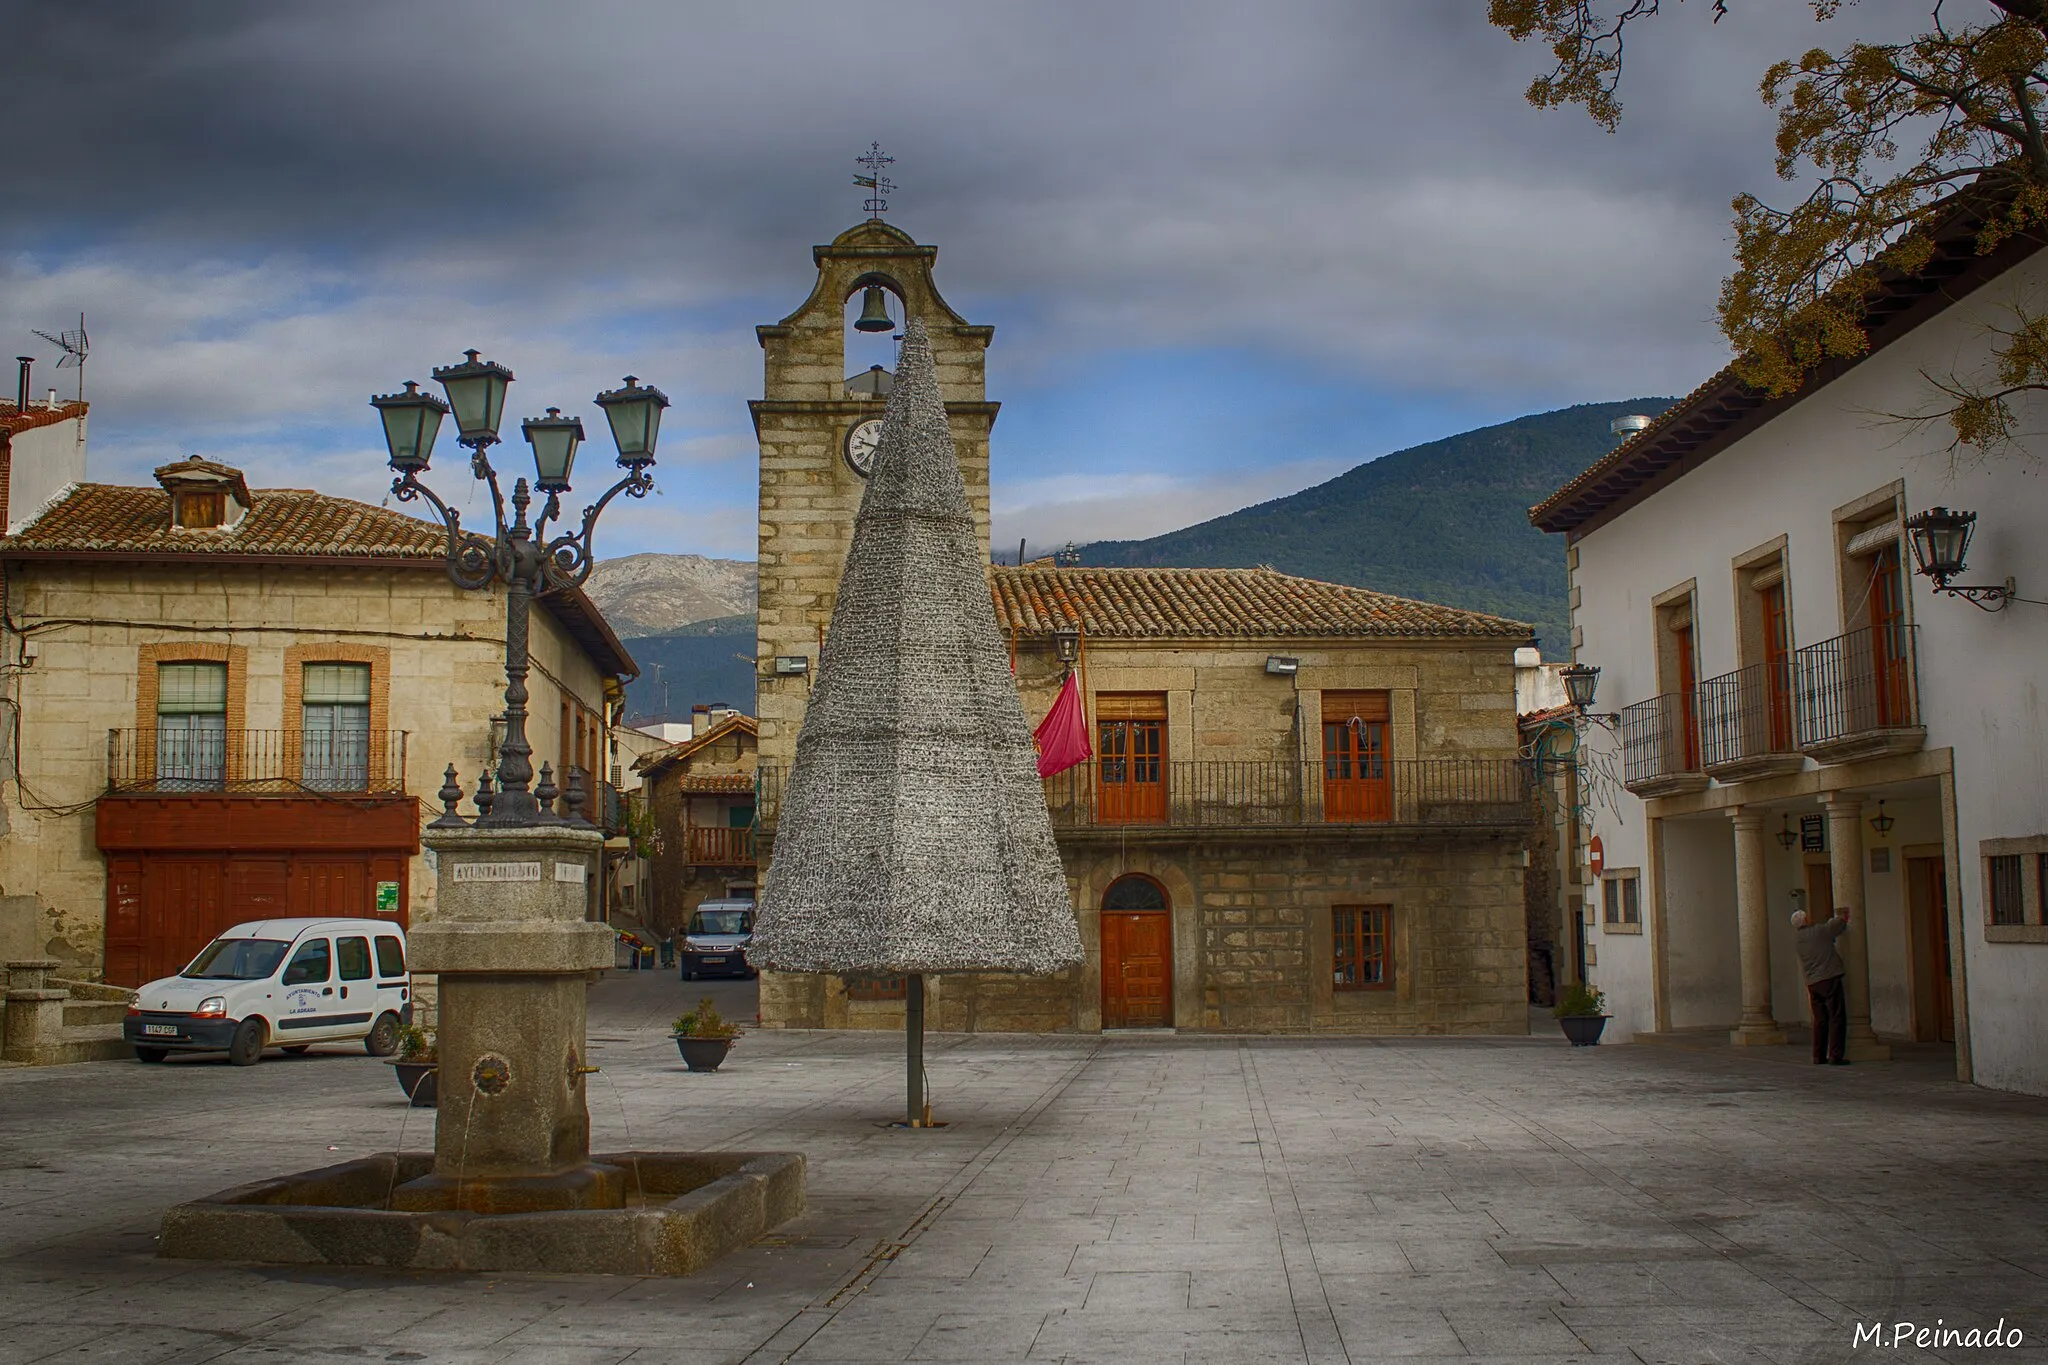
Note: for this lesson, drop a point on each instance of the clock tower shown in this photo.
(816, 426)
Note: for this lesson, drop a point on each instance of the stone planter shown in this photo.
(417, 1080)
(1583, 1029)
(702, 1054)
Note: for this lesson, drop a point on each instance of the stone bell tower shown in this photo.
(813, 423)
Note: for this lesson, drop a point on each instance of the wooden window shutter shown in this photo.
(1339, 707)
(1130, 706)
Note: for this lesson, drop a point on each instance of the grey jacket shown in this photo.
(1817, 949)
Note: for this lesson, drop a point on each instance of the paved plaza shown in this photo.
(1123, 1200)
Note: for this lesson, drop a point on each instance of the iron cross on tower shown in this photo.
(878, 186)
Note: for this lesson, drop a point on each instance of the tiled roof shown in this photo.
(119, 518)
(716, 784)
(1724, 409)
(682, 749)
(14, 420)
(1254, 604)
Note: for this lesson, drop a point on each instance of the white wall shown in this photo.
(1980, 686)
(42, 462)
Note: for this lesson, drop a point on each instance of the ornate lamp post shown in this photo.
(521, 554)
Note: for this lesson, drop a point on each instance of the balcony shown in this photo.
(1102, 795)
(1859, 695)
(1660, 746)
(256, 762)
(713, 846)
(1746, 723)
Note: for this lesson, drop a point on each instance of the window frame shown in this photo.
(1621, 888)
(1367, 926)
(303, 949)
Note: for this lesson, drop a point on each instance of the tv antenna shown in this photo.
(75, 345)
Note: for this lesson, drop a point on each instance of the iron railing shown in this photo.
(1857, 684)
(713, 846)
(1660, 738)
(256, 762)
(1747, 714)
(1222, 794)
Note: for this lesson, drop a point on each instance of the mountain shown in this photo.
(652, 594)
(704, 661)
(1445, 522)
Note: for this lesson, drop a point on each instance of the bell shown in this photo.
(874, 313)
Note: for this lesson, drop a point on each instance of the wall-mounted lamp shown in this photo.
(1282, 665)
(1881, 822)
(1580, 682)
(1941, 542)
(1786, 835)
(791, 665)
(1066, 642)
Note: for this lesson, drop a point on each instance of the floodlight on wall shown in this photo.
(1282, 665)
(1941, 543)
(791, 665)
(1786, 835)
(1881, 822)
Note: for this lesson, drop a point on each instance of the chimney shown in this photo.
(54, 404)
(700, 719)
(21, 394)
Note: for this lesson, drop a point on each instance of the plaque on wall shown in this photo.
(1813, 834)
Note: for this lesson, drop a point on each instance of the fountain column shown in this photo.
(513, 946)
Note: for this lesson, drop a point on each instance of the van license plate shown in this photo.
(170, 1029)
(709, 960)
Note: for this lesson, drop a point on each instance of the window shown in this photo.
(1621, 903)
(200, 511)
(191, 724)
(1134, 891)
(390, 957)
(1679, 666)
(1362, 947)
(2041, 886)
(308, 965)
(1355, 785)
(1131, 757)
(352, 956)
(2008, 893)
(877, 986)
(335, 720)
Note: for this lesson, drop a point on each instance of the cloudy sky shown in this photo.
(1229, 250)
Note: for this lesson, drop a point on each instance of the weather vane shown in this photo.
(878, 186)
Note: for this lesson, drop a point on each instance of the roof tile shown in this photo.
(121, 518)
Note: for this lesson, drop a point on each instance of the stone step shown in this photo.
(86, 1013)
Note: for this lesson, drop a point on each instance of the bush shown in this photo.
(705, 1022)
(1580, 999)
(415, 1044)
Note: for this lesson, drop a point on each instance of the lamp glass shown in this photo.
(1581, 681)
(1941, 541)
(411, 422)
(476, 391)
(634, 412)
(1067, 642)
(554, 439)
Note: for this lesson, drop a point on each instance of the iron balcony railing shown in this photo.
(256, 762)
(1860, 683)
(1221, 794)
(1660, 738)
(1747, 714)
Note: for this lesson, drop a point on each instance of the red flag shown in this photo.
(1062, 736)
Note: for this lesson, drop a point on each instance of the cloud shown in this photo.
(1081, 508)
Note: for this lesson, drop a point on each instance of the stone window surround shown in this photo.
(1849, 520)
(1390, 955)
(377, 657)
(1399, 994)
(1674, 609)
(2030, 849)
(1616, 875)
(1746, 568)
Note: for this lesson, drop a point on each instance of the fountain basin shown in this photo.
(676, 1212)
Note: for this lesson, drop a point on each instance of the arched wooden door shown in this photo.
(1137, 954)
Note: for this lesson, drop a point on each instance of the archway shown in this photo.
(1137, 954)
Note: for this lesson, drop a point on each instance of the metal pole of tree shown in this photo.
(913, 1027)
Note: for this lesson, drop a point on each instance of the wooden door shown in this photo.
(1934, 1010)
(1355, 786)
(1890, 666)
(1777, 667)
(183, 907)
(1130, 761)
(1820, 892)
(325, 887)
(1137, 969)
(1688, 699)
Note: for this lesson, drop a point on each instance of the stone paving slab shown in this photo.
(1165, 1198)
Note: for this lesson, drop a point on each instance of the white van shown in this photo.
(288, 983)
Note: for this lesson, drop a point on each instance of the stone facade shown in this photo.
(97, 623)
(1251, 903)
(702, 849)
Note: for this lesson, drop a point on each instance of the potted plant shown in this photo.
(415, 1066)
(704, 1036)
(1581, 1013)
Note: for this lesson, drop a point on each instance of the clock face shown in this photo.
(860, 446)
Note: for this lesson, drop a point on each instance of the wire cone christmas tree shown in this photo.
(913, 835)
